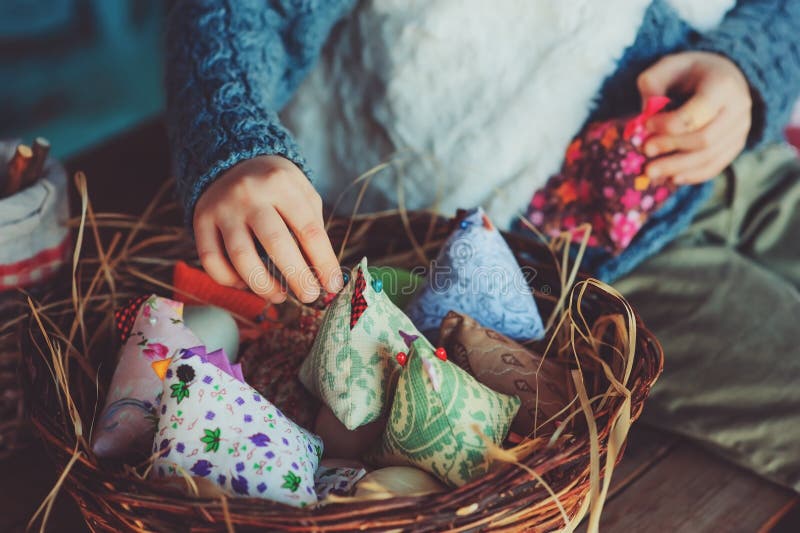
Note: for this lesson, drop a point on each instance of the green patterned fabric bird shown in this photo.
(432, 423)
(352, 362)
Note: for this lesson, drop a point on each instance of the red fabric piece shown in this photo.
(37, 269)
(126, 316)
(195, 287)
(602, 184)
(358, 304)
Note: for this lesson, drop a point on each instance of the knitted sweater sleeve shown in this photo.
(231, 66)
(760, 36)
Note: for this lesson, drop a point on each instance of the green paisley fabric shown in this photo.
(431, 421)
(352, 370)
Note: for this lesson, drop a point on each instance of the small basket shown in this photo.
(62, 353)
(34, 245)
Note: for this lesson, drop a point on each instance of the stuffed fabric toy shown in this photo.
(151, 329)
(436, 405)
(352, 361)
(603, 183)
(476, 274)
(214, 426)
(501, 364)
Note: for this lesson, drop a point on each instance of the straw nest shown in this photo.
(542, 483)
(13, 428)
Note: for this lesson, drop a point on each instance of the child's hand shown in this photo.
(705, 134)
(265, 197)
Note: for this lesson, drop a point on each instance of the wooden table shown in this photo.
(664, 483)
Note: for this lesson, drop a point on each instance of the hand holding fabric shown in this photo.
(703, 136)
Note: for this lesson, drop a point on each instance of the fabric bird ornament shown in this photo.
(214, 426)
(477, 274)
(352, 362)
(152, 329)
(603, 183)
(542, 385)
(436, 410)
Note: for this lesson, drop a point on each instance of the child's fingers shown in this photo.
(212, 256)
(243, 255)
(272, 232)
(696, 113)
(731, 148)
(307, 225)
(662, 76)
(681, 162)
(700, 139)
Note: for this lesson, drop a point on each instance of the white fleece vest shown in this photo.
(474, 102)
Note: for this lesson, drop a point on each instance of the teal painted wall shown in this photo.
(79, 71)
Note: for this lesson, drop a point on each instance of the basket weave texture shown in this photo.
(123, 257)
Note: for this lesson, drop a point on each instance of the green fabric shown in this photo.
(351, 369)
(435, 407)
(400, 284)
(723, 300)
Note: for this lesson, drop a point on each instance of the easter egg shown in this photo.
(215, 327)
(398, 481)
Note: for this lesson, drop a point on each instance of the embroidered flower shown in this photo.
(631, 199)
(211, 439)
(260, 439)
(574, 151)
(185, 373)
(632, 164)
(567, 192)
(155, 350)
(624, 228)
(239, 484)
(661, 194)
(180, 390)
(201, 468)
(291, 481)
(538, 201)
(610, 136)
(647, 202)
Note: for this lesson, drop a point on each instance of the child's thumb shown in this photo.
(662, 76)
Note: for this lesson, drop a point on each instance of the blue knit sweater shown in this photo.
(234, 64)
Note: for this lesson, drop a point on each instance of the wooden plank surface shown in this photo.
(691, 490)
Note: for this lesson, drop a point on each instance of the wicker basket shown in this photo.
(138, 258)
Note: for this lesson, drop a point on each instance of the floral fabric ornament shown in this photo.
(352, 360)
(542, 385)
(127, 421)
(477, 274)
(603, 183)
(436, 408)
(214, 426)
